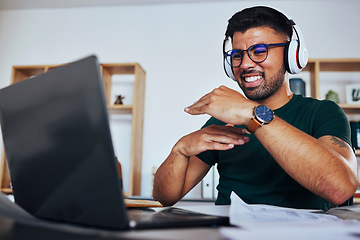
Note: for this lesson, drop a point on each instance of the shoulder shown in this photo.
(309, 100)
(327, 119)
(316, 104)
(315, 117)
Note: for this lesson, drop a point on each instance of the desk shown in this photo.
(12, 228)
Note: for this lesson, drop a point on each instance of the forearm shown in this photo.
(310, 162)
(169, 179)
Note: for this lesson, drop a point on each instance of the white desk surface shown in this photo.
(17, 224)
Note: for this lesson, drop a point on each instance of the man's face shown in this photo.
(260, 80)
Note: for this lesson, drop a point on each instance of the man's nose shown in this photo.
(247, 62)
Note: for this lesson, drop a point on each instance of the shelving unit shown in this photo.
(135, 110)
(317, 66)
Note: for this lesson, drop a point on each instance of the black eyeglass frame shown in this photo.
(228, 55)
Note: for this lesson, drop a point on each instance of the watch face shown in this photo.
(264, 114)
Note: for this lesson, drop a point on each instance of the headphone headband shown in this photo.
(303, 56)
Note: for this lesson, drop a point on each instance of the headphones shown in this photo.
(295, 52)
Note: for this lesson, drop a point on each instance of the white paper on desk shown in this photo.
(242, 214)
(318, 230)
(353, 208)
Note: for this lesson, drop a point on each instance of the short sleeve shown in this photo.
(331, 120)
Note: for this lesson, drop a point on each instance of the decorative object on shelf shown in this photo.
(355, 134)
(297, 86)
(353, 93)
(119, 100)
(333, 96)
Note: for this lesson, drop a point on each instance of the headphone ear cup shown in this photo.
(291, 57)
(228, 69)
(286, 57)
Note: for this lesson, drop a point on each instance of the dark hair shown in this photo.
(258, 17)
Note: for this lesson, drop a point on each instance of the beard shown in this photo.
(267, 88)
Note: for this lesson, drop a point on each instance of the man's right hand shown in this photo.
(213, 137)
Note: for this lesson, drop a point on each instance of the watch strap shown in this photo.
(253, 125)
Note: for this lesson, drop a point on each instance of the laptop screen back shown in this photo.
(59, 149)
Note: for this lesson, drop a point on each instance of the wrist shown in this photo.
(179, 150)
(261, 115)
(250, 114)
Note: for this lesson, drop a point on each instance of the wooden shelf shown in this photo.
(349, 106)
(6, 190)
(135, 109)
(122, 109)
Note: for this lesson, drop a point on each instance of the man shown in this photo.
(298, 155)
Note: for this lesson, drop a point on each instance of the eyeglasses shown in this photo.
(257, 53)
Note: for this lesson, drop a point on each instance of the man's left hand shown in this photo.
(224, 104)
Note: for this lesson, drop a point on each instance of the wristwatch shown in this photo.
(262, 115)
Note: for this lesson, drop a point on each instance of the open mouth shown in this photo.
(252, 81)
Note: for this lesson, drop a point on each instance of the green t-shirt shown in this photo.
(252, 173)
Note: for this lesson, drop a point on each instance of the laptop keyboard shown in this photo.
(171, 217)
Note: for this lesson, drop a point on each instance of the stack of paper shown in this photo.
(259, 221)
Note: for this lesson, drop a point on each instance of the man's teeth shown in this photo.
(252, 79)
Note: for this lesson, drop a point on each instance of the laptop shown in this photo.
(60, 155)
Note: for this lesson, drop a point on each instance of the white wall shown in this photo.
(179, 46)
